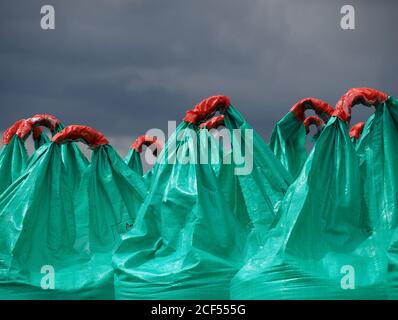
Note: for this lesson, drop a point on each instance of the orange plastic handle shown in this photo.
(11, 131)
(39, 120)
(319, 106)
(313, 120)
(213, 123)
(206, 108)
(146, 140)
(367, 96)
(88, 135)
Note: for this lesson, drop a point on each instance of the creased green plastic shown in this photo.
(107, 203)
(38, 229)
(287, 141)
(41, 140)
(190, 234)
(377, 151)
(13, 161)
(133, 160)
(179, 248)
(322, 233)
(261, 190)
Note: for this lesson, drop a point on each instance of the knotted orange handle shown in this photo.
(366, 96)
(147, 141)
(87, 135)
(315, 120)
(213, 123)
(206, 108)
(319, 106)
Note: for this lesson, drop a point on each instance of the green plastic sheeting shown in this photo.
(107, 204)
(377, 151)
(287, 141)
(14, 157)
(133, 160)
(38, 229)
(13, 161)
(289, 136)
(379, 166)
(355, 141)
(42, 139)
(186, 242)
(134, 157)
(109, 197)
(323, 234)
(190, 234)
(262, 189)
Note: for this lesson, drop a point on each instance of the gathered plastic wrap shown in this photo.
(317, 122)
(190, 234)
(133, 158)
(106, 205)
(39, 137)
(356, 132)
(38, 228)
(324, 231)
(288, 138)
(379, 169)
(13, 157)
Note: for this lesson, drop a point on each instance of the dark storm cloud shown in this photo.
(127, 66)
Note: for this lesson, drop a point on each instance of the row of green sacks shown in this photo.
(286, 230)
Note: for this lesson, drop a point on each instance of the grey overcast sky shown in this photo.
(128, 66)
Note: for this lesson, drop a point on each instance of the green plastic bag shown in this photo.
(211, 135)
(190, 234)
(376, 150)
(39, 137)
(13, 157)
(107, 203)
(356, 131)
(323, 237)
(133, 158)
(254, 196)
(41, 240)
(318, 122)
(288, 138)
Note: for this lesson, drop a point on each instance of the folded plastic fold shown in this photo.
(191, 232)
(323, 246)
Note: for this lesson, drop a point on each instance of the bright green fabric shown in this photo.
(379, 165)
(43, 230)
(190, 234)
(264, 188)
(133, 160)
(108, 199)
(377, 151)
(41, 140)
(13, 161)
(323, 228)
(288, 143)
(186, 243)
